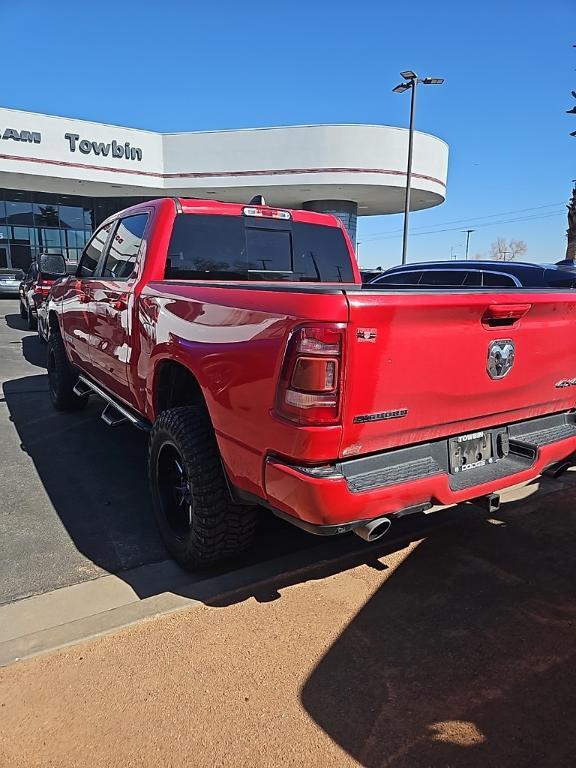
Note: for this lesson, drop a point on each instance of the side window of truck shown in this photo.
(124, 247)
(93, 251)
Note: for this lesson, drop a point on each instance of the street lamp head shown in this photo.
(401, 88)
(408, 75)
(433, 80)
(571, 111)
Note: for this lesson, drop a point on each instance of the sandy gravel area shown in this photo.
(458, 650)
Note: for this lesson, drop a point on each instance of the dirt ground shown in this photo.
(458, 650)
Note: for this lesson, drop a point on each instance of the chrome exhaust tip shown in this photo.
(373, 530)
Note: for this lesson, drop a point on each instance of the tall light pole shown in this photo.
(411, 80)
(467, 232)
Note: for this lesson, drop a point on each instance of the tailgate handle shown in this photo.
(499, 315)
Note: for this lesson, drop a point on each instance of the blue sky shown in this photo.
(509, 68)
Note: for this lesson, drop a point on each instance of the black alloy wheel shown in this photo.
(174, 490)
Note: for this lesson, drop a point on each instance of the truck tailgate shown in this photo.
(417, 364)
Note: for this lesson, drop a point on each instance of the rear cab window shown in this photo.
(219, 247)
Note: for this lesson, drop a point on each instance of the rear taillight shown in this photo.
(42, 288)
(310, 388)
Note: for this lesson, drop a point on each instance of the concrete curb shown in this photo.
(219, 590)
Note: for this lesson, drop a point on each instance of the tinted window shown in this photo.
(443, 277)
(400, 278)
(91, 255)
(473, 280)
(238, 248)
(320, 254)
(560, 279)
(270, 251)
(494, 280)
(124, 247)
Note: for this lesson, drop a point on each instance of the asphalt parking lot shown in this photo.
(75, 503)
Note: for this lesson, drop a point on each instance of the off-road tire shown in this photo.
(41, 338)
(62, 377)
(219, 529)
(23, 311)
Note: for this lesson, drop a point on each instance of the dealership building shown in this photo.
(60, 177)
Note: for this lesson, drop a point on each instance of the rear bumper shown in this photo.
(9, 290)
(390, 483)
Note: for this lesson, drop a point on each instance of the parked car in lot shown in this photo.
(42, 310)
(10, 281)
(368, 275)
(242, 340)
(478, 274)
(35, 286)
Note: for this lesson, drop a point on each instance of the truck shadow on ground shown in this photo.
(465, 656)
(96, 480)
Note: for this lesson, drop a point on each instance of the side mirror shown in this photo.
(52, 264)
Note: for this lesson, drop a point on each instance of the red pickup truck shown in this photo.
(242, 339)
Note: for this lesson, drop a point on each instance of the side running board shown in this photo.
(114, 413)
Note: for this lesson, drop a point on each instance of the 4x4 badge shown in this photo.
(366, 334)
(501, 354)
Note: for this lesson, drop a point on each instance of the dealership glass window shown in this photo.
(19, 212)
(75, 238)
(21, 245)
(88, 218)
(124, 247)
(22, 235)
(2, 212)
(49, 240)
(46, 215)
(73, 255)
(71, 216)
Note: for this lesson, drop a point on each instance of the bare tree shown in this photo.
(501, 250)
(518, 248)
(571, 231)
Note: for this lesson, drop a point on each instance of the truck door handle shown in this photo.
(499, 315)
